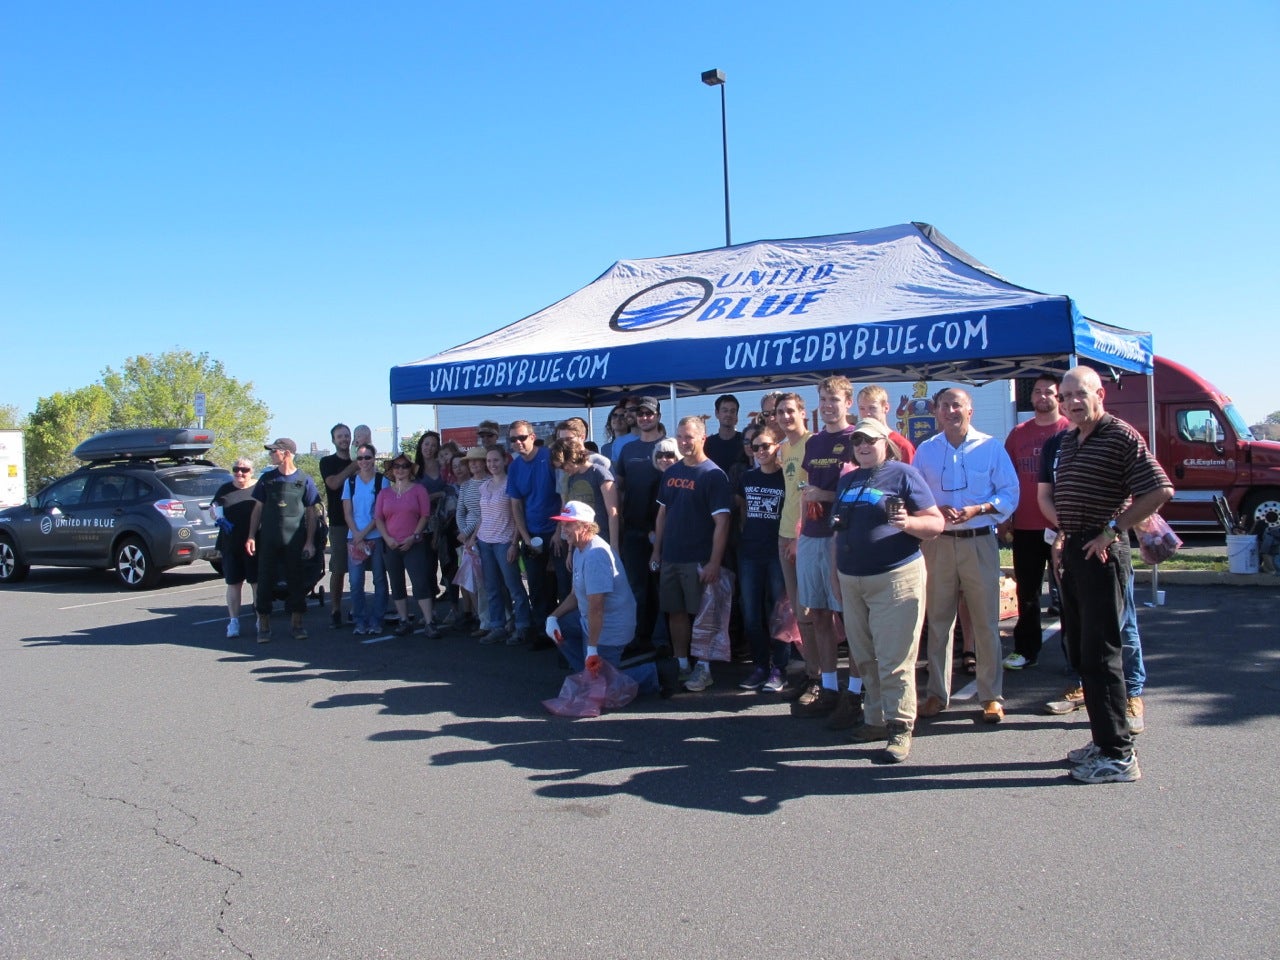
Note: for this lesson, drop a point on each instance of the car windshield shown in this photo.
(202, 483)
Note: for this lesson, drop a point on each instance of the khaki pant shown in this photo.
(883, 614)
(970, 566)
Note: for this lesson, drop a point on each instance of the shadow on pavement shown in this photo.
(725, 750)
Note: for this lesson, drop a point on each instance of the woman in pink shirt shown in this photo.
(401, 512)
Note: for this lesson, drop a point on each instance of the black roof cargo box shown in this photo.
(146, 444)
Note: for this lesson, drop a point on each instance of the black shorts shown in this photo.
(238, 567)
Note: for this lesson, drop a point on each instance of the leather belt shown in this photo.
(967, 534)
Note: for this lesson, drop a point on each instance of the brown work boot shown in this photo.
(931, 707)
(899, 745)
(848, 711)
(1134, 716)
(299, 631)
(817, 703)
(795, 691)
(1070, 702)
(264, 628)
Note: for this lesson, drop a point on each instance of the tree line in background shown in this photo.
(1269, 428)
(147, 391)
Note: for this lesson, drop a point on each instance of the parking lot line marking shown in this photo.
(201, 623)
(377, 639)
(132, 597)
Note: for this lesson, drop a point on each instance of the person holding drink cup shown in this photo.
(883, 509)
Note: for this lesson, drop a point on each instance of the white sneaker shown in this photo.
(1016, 661)
(1084, 754)
(233, 627)
(700, 678)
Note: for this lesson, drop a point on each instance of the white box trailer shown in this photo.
(13, 468)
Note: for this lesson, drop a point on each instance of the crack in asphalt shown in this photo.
(236, 875)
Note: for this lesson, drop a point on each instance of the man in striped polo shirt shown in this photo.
(1105, 480)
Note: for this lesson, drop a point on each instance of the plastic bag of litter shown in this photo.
(782, 624)
(1156, 541)
(711, 626)
(587, 693)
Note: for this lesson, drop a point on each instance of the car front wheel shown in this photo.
(11, 568)
(133, 565)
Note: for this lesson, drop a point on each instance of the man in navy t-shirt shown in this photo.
(531, 485)
(692, 530)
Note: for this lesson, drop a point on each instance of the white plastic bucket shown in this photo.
(1242, 553)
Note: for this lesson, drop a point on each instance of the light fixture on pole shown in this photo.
(715, 78)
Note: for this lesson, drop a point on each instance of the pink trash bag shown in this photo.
(1156, 541)
(585, 695)
(782, 624)
(711, 626)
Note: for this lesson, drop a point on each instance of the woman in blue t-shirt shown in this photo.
(758, 493)
(882, 511)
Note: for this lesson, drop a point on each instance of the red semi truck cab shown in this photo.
(1204, 445)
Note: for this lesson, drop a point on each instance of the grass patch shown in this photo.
(1201, 562)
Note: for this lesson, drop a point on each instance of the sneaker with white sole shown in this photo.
(700, 678)
(776, 682)
(1108, 770)
(756, 680)
(1016, 661)
(233, 627)
(1083, 754)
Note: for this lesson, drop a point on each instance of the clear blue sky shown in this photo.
(314, 192)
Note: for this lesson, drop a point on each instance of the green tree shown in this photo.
(309, 464)
(57, 424)
(159, 391)
(9, 419)
(1273, 417)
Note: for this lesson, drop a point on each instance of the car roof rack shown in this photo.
(164, 443)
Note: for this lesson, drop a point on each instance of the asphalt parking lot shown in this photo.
(169, 792)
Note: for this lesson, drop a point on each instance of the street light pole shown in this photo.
(715, 78)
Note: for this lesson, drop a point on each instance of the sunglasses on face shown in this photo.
(364, 458)
(242, 470)
(865, 441)
(664, 456)
(518, 437)
(646, 413)
(757, 447)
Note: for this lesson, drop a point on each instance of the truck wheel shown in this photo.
(11, 568)
(133, 566)
(1261, 505)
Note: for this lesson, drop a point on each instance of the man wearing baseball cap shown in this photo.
(598, 618)
(282, 533)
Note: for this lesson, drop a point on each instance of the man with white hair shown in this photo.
(598, 618)
(1105, 480)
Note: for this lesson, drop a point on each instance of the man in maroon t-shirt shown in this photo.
(827, 454)
(1030, 551)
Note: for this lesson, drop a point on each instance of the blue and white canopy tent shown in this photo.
(897, 303)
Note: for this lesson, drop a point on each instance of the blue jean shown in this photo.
(497, 571)
(1135, 671)
(574, 651)
(375, 563)
(760, 586)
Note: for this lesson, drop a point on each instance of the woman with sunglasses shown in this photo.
(401, 512)
(231, 509)
(758, 493)
(882, 510)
